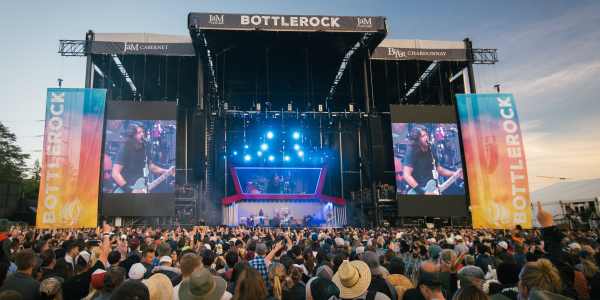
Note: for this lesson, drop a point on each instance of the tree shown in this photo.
(12, 160)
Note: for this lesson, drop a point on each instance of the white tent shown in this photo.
(574, 194)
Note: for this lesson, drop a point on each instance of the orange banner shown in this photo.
(71, 158)
(495, 161)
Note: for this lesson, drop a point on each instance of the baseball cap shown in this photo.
(82, 259)
(372, 261)
(360, 250)
(315, 237)
(428, 279)
(458, 237)
(98, 279)
(326, 248)
(166, 258)
(584, 254)
(50, 286)
(450, 241)
(137, 271)
(575, 246)
(339, 242)
(503, 244)
(432, 240)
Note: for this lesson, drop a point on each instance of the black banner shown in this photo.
(286, 22)
(180, 49)
(419, 54)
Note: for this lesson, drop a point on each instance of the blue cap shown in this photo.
(326, 248)
(315, 237)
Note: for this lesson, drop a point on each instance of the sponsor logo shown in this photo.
(396, 53)
(216, 19)
(290, 21)
(140, 47)
(364, 22)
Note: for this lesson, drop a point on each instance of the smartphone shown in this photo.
(94, 243)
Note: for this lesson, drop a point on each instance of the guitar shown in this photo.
(140, 184)
(431, 185)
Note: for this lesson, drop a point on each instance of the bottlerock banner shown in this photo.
(495, 161)
(71, 158)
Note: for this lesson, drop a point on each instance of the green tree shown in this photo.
(12, 160)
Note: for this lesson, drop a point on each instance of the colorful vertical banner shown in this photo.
(495, 161)
(71, 158)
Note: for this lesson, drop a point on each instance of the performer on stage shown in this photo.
(330, 219)
(261, 214)
(307, 220)
(132, 161)
(421, 162)
(251, 220)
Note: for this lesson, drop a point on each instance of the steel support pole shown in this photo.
(470, 59)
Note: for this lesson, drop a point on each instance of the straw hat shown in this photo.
(352, 278)
(160, 287)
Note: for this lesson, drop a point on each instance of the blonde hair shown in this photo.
(276, 277)
(541, 274)
(589, 269)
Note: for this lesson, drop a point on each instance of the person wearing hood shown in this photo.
(508, 275)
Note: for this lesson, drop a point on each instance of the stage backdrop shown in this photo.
(495, 161)
(71, 158)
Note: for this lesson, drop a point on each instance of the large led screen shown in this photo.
(272, 181)
(428, 161)
(139, 159)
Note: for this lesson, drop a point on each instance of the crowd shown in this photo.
(351, 263)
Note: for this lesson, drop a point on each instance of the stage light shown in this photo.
(234, 152)
(296, 147)
(271, 158)
(258, 106)
(300, 153)
(270, 135)
(286, 158)
(264, 147)
(247, 158)
(320, 107)
(351, 107)
(289, 107)
(224, 156)
(245, 146)
(259, 153)
(296, 135)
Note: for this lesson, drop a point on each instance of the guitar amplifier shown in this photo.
(267, 222)
(299, 222)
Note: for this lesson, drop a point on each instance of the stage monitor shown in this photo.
(139, 159)
(278, 181)
(428, 164)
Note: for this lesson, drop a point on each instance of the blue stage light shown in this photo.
(245, 146)
(269, 135)
(247, 158)
(296, 135)
(259, 153)
(264, 147)
(224, 156)
(296, 147)
(234, 152)
(286, 158)
(300, 153)
(271, 158)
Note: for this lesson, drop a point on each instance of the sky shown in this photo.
(547, 52)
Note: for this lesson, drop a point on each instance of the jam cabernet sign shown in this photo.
(71, 158)
(286, 22)
(495, 161)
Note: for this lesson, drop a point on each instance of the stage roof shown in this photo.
(262, 62)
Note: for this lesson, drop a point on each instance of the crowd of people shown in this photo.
(328, 264)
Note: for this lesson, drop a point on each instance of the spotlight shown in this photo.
(286, 158)
(270, 135)
(296, 135)
(224, 156)
(271, 158)
(296, 147)
(247, 158)
(264, 147)
(258, 106)
(245, 146)
(259, 153)
(300, 153)
(234, 152)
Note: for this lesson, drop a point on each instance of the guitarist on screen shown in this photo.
(132, 161)
(421, 164)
